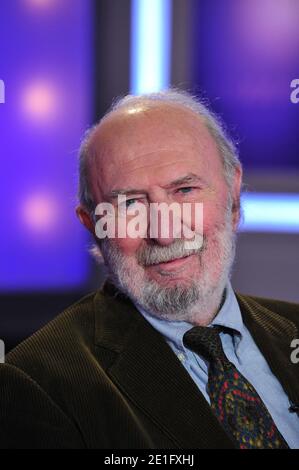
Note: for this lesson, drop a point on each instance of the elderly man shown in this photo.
(166, 354)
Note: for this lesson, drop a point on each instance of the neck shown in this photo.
(205, 316)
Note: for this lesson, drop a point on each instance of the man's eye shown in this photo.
(129, 202)
(186, 190)
(125, 205)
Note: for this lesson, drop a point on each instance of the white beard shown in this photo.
(195, 301)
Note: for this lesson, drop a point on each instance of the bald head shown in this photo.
(150, 118)
(162, 140)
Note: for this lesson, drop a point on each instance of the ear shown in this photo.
(85, 218)
(237, 185)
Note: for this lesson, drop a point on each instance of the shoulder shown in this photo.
(30, 418)
(41, 381)
(59, 356)
(74, 325)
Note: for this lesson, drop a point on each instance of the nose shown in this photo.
(164, 223)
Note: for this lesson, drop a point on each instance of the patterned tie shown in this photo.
(234, 400)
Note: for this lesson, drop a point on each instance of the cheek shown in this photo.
(128, 246)
(210, 216)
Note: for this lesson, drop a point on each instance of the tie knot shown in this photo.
(206, 342)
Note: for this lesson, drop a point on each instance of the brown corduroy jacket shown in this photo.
(100, 376)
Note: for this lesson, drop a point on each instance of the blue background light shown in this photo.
(150, 45)
(244, 57)
(266, 212)
(46, 65)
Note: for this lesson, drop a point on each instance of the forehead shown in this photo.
(151, 146)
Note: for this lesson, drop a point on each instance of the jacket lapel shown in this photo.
(273, 334)
(147, 371)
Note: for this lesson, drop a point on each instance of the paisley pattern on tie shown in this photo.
(234, 400)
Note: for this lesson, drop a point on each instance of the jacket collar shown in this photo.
(273, 334)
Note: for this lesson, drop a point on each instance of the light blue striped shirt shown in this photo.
(242, 351)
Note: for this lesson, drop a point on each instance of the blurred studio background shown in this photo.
(62, 62)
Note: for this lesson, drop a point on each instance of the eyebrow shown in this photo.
(187, 179)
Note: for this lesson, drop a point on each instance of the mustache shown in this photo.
(150, 255)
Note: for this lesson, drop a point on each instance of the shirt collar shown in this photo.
(228, 316)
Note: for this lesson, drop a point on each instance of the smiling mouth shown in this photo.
(174, 263)
(171, 260)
